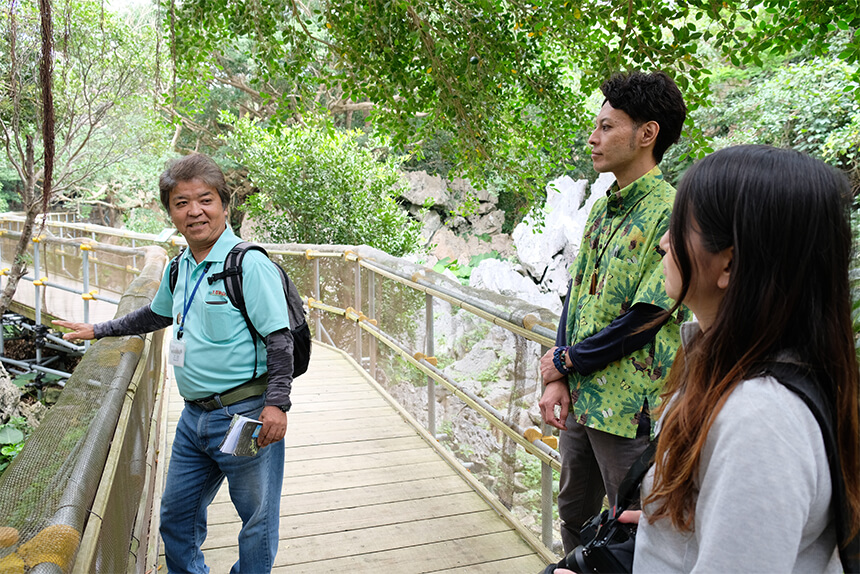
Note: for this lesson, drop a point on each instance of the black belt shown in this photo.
(253, 388)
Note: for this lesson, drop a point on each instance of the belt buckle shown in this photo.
(210, 403)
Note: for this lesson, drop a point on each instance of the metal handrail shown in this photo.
(531, 322)
(536, 447)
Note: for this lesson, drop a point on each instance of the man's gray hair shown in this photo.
(193, 166)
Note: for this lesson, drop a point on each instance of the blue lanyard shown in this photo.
(186, 301)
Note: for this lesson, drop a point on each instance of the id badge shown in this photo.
(176, 353)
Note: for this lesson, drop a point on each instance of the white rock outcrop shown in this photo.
(546, 251)
(500, 276)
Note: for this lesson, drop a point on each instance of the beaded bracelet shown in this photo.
(558, 360)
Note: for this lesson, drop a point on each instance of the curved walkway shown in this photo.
(365, 490)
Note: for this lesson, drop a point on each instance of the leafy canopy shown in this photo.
(507, 85)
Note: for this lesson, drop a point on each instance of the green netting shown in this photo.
(47, 494)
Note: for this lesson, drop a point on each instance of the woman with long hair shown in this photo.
(758, 248)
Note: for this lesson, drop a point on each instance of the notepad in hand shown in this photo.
(241, 439)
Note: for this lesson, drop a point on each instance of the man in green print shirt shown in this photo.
(611, 359)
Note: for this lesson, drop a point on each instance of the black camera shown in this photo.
(607, 547)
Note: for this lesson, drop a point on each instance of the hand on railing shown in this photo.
(80, 331)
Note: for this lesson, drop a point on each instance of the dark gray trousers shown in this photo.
(593, 464)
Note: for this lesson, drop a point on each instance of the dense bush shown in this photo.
(321, 186)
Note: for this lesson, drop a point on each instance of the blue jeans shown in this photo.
(197, 469)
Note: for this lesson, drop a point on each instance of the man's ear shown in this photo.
(648, 133)
(727, 256)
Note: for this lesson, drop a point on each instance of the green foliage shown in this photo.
(803, 105)
(145, 220)
(463, 272)
(102, 70)
(13, 434)
(498, 91)
(324, 187)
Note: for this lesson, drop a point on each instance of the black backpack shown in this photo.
(232, 276)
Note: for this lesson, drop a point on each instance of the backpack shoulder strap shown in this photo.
(232, 276)
(173, 271)
(803, 381)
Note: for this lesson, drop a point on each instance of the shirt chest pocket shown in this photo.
(219, 320)
(622, 281)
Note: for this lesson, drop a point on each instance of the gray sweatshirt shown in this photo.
(764, 494)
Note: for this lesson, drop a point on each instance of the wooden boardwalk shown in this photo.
(365, 491)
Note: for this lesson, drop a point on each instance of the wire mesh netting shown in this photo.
(488, 345)
(51, 496)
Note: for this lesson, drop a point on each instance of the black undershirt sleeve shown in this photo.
(143, 320)
(622, 336)
(279, 362)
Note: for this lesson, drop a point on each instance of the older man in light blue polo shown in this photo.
(220, 370)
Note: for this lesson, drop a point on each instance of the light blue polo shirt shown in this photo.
(219, 350)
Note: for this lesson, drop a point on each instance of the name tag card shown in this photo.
(176, 353)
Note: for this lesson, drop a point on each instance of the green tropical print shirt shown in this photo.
(620, 255)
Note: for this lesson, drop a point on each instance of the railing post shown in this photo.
(85, 280)
(358, 310)
(317, 313)
(546, 502)
(37, 307)
(95, 265)
(429, 349)
(371, 312)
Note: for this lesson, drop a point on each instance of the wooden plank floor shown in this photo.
(364, 492)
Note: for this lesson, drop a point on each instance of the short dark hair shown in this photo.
(193, 166)
(649, 97)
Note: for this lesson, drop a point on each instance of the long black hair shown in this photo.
(786, 217)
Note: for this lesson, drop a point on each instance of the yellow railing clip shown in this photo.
(5, 271)
(38, 239)
(90, 296)
(41, 281)
(533, 434)
(86, 247)
(308, 255)
(55, 545)
(351, 313)
(363, 317)
(132, 268)
(350, 255)
(432, 360)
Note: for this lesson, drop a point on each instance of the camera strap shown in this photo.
(628, 490)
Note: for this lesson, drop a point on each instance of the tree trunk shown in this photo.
(508, 486)
(19, 264)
